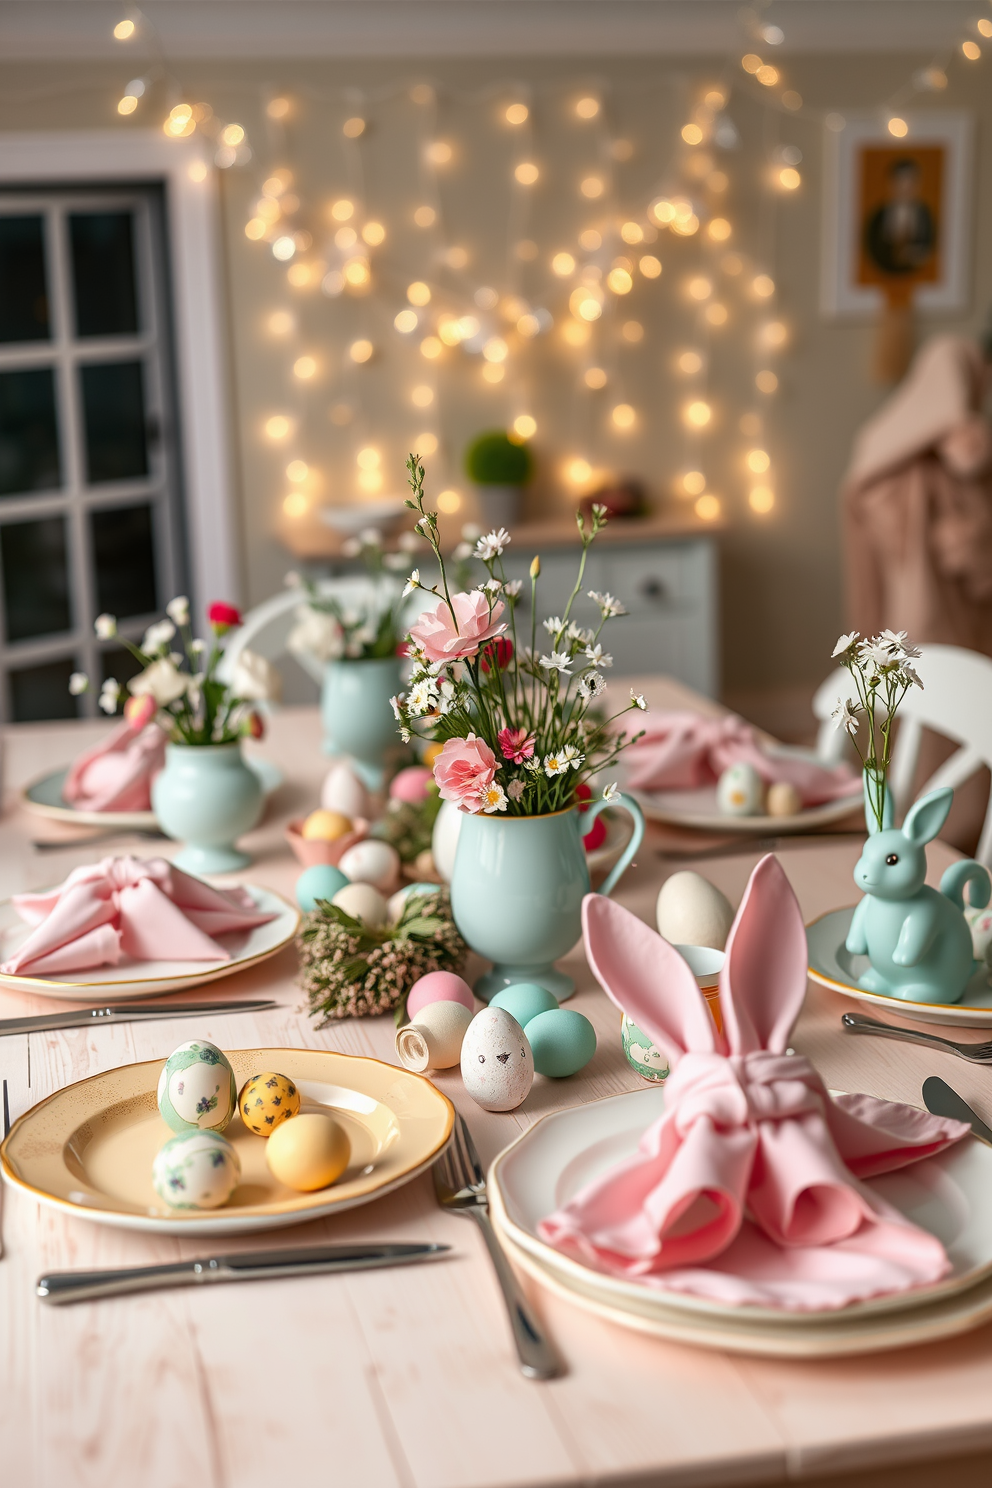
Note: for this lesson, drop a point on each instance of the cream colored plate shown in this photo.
(43, 797)
(132, 979)
(88, 1149)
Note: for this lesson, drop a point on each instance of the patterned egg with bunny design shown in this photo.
(497, 1063)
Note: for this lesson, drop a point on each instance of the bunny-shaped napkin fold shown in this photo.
(117, 773)
(748, 1188)
(684, 751)
(144, 909)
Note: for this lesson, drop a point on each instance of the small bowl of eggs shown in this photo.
(325, 836)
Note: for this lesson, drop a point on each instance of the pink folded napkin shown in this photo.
(117, 773)
(147, 910)
(684, 751)
(747, 1189)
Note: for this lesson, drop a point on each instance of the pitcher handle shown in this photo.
(627, 856)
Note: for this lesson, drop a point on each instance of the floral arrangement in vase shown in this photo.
(883, 672)
(329, 630)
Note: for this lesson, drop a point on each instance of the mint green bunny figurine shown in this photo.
(917, 940)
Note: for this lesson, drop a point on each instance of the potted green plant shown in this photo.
(499, 468)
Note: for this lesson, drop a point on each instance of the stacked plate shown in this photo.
(949, 1195)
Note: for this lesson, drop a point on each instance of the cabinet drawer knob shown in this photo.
(653, 588)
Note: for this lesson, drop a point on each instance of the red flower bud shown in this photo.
(499, 652)
(223, 616)
(583, 794)
(254, 726)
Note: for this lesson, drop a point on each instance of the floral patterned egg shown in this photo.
(266, 1101)
(196, 1170)
(196, 1089)
(740, 790)
(497, 1062)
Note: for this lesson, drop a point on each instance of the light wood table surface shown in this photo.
(406, 1378)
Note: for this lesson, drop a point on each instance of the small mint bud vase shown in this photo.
(357, 715)
(205, 798)
(517, 889)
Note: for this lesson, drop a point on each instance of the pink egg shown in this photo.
(411, 784)
(439, 986)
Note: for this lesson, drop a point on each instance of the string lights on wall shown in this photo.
(335, 249)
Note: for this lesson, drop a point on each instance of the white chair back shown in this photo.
(265, 629)
(956, 702)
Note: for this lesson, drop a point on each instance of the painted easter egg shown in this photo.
(196, 1089)
(562, 1042)
(497, 1063)
(309, 1152)
(525, 1000)
(439, 986)
(325, 826)
(362, 902)
(266, 1101)
(740, 790)
(434, 1040)
(398, 900)
(196, 1170)
(692, 911)
(322, 881)
(343, 792)
(372, 862)
(783, 799)
(414, 784)
(650, 1062)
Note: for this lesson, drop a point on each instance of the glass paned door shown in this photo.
(90, 505)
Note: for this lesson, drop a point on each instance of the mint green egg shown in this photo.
(562, 1042)
(322, 881)
(525, 1000)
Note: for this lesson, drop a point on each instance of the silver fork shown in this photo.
(974, 1053)
(6, 1129)
(460, 1185)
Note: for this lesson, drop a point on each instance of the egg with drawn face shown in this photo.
(740, 791)
(497, 1063)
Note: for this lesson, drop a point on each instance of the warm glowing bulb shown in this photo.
(690, 362)
(751, 62)
(763, 285)
(594, 377)
(592, 187)
(715, 314)
(707, 508)
(789, 178)
(495, 349)
(563, 264)
(345, 237)
(984, 27)
(767, 75)
(528, 325)
(277, 427)
(197, 170)
(357, 273)
(369, 481)
(766, 382)
(650, 266)
(686, 225)
(128, 104)
(354, 127)
(620, 281)
(662, 210)
(361, 350)
(431, 348)
(758, 460)
(524, 426)
(255, 229)
(449, 329)
(773, 334)
(368, 458)
(692, 134)
(577, 471)
(295, 505)
(299, 275)
(449, 501)
(424, 216)
(898, 127)
(699, 288)
(623, 416)
(719, 230)
(297, 471)
(761, 499)
(283, 248)
(632, 232)
(180, 122)
(422, 396)
(693, 482)
(468, 326)
(971, 50)
(232, 134)
(418, 293)
(439, 152)
(526, 172)
(715, 99)
(698, 414)
(587, 108)
(493, 372)
(516, 113)
(343, 210)
(374, 233)
(425, 444)
(575, 333)
(590, 239)
(632, 331)
(304, 368)
(124, 30)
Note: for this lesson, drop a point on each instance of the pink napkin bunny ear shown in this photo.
(646, 978)
(763, 981)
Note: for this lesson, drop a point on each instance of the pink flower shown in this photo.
(464, 769)
(223, 617)
(139, 711)
(440, 639)
(516, 744)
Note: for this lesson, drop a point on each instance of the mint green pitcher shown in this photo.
(517, 890)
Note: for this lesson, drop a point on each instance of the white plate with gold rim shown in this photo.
(88, 1150)
(132, 979)
(949, 1195)
(833, 966)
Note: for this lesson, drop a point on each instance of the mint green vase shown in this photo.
(205, 798)
(357, 715)
(517, 890)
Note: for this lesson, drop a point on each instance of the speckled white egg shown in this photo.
(343, 791)
(196, 1170)
(740, 790)
(434, 1039)
(196, 1089)
(692, 911)
(496, 1060)
(362, 902)
(371, 862)
(783, 799)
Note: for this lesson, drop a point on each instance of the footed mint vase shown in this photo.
(357, 715)
(205, 798)
(517, 889)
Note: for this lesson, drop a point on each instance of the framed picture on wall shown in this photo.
(896, 215)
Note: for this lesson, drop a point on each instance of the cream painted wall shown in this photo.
(781, 575)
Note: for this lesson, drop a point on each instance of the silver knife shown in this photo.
(128, 1013)
(941, 1100)
(260, 1265)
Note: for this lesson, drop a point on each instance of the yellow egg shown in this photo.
(266, 1101)
(430, 755)
(325, 826)
(783, 799)
(308, 1152)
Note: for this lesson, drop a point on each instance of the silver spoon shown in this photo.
(974, 1053)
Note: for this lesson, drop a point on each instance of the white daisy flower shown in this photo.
(109, 695)
(412, 583)
(105, 627)
(556, 764)
(610, 792)
(845, 643)
(492, 545)
(422, 697)
(571, 756)
(78, 683)
(558, 661)
(608, 606)
(597, 657)
(492, 798)
(513, 588)
(591, 685)
(846, 715)
(396, 704)
(638, 700)
(158, 636)
(178, 609)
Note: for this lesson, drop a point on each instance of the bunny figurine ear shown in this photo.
(763, 981)
(926, 816)
(646, 978)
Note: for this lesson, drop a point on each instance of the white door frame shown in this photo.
(142, 156)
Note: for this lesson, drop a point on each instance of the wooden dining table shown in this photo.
(407, 1378)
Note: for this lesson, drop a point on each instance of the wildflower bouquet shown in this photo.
(518, 723)
(181, 689)
(883, 673)
(329, 630)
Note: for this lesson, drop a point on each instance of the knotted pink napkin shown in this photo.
(144, 909)
(117, 773)
(747, 1189)
(684, 751)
